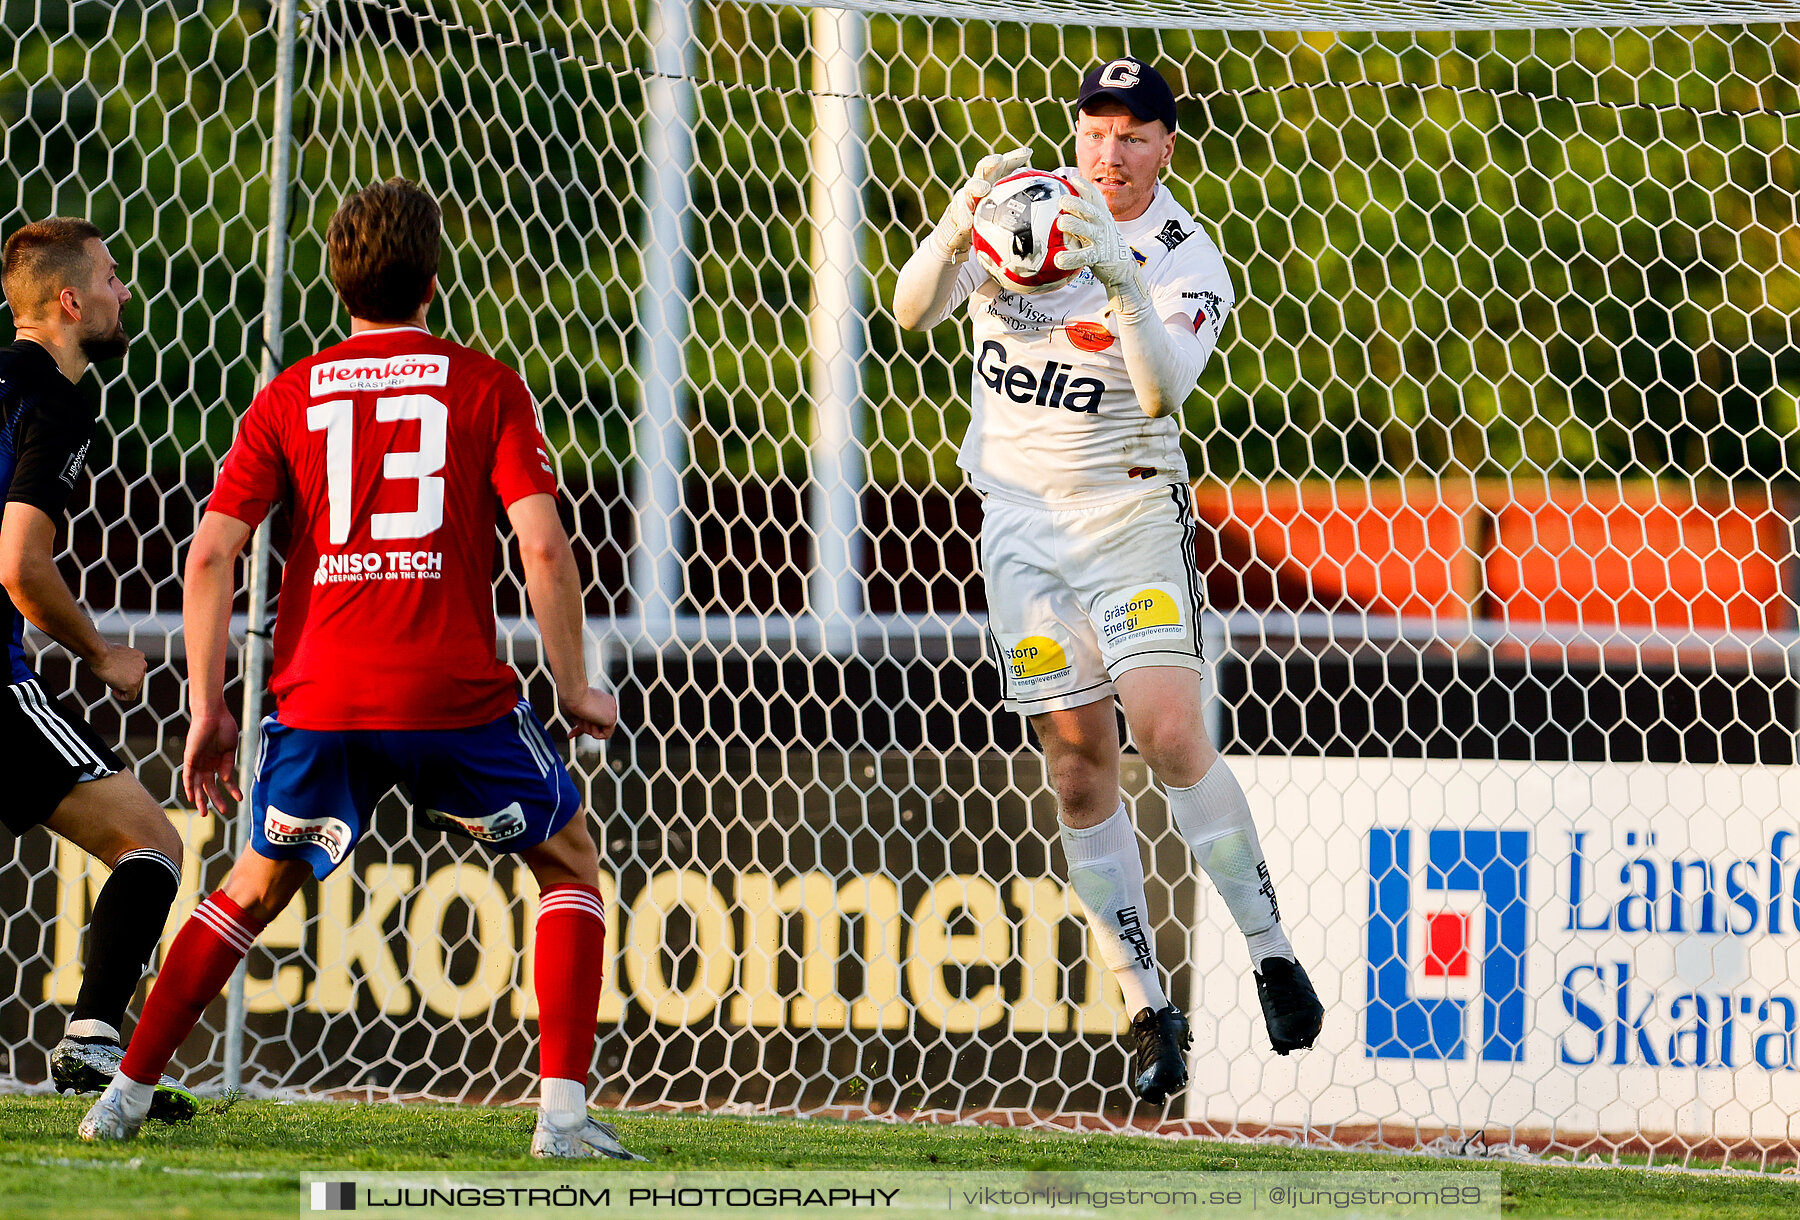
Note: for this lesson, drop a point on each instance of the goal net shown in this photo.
(1494, 469)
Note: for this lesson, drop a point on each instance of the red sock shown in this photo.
(567, 966)
(206, 951)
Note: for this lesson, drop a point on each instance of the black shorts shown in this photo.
(45, 750)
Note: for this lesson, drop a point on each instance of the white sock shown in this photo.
(1107, 872)
(1214, 818)
(90, 1028)
(564, 1102)
(136, 1096)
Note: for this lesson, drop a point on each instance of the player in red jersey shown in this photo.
(395, 453)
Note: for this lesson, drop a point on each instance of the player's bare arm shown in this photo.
(28, 571)
(553, 583)
(209, 763)
(925, 293)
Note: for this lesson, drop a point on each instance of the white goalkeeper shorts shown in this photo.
(1078, 596)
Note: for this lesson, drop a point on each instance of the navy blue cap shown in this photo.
(1135, 84)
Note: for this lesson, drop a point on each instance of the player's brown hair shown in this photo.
(43, 258)
(384, 244)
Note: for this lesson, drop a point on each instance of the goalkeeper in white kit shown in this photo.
(1087, 540)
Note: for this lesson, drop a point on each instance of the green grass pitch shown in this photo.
(246, 1161)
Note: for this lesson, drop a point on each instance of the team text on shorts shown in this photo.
(501, 784)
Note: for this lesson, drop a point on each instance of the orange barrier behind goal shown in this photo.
(1638, 557)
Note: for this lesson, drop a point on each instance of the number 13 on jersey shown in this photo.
(337, 420)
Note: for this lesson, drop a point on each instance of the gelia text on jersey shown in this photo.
(1050, 386)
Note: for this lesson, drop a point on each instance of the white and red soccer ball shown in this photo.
(1018, 231)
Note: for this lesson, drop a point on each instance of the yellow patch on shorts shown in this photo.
(1148, 614)
(1035, 661)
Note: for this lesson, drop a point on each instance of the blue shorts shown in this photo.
(501, 784)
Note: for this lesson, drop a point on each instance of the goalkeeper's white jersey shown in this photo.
(1053, 416)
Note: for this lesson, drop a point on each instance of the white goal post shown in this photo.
(1496, 467)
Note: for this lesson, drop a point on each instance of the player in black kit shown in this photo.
(65, 295)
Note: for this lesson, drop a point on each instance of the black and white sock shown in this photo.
(127, 922)
(1214, 819)
(1107, 873)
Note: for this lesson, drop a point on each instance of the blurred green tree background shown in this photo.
(1518, 254)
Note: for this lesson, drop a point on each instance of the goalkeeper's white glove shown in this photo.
(1096, 243)
(951, 237)
(1162, 363)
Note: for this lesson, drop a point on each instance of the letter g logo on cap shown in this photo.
(1120, 74)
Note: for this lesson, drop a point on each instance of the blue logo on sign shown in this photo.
(1483, 945)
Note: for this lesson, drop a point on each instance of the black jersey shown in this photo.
(46, 427)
